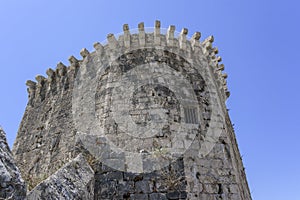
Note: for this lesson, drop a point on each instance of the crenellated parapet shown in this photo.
(214, 61)
(55, 80)
(188, 48)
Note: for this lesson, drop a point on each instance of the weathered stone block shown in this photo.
(125, 187)
(157, 196)
(177, 195)
(75, 180)
(142, 187)
(139, 197)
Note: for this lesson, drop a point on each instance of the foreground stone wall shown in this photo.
(75, 180)
(177, 83)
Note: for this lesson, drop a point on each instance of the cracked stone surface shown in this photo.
(12, 186)
(75, 180)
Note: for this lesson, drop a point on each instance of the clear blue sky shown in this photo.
(258, 41)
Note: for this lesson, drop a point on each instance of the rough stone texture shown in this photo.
(48, 134)
(12, 186)
(75, 180)
(112, 184)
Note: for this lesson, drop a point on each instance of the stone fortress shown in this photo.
(143, 116)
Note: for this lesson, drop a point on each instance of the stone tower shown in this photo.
(145, 110)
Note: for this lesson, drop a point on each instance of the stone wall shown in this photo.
(80, 109)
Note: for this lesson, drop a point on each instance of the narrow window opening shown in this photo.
(190, 115)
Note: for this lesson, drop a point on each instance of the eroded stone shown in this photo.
(75, 180)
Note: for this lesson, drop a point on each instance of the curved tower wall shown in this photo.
(148, 111)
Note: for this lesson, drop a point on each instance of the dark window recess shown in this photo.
(190, 115)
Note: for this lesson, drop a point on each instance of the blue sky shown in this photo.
(258, 41)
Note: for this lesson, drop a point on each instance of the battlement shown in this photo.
(188, 48)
